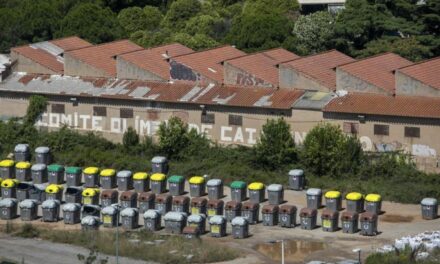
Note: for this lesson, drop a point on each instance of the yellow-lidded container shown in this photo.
(197, 180)
(108, 173)
(158, 177)
(7, 163)
(332, 194)
(256, 186)
(140, 176)
(54, 188)
(9, 183)
(91, 170)
(373, 197)
(91, 196)
(23, 165)
(354, 196)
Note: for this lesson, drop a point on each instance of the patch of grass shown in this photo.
(406, 256)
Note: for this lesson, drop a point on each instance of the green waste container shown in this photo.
(55, 174)
(176, 185)
(238, 191)
(73, 176)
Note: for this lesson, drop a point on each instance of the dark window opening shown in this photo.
(58, 108)
(126, 113)
(413, 132)
(208, 119)
(352, 128)
(235, 120)
(99, 111)
(383, 130)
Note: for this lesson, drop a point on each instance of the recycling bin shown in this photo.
(42, 155)
(55, 174)
(163, 203)
(73, 194)
(368, 224)
(429, 208)
(90, 210)
(314, 198)
(39, 173)
(90, 223)
(109, 216)
(28, 210)
(174, 222)
(152, 220)
(125, 180)
(215, 207)
(238, 191)
(159, 164)
(73, 176)
(198, 221)
(217, 226)
(109, 197)
(54, 192)
(297, 180)
(355, 202)
(91, 177)
(269, 214)
(232, 210)
(287, 216)
(250, 211)
(180, 204)
(240, 227)
(108, 178)
(373, 203)
(128, 199)
(141, 183)
(176, 185)
(38, 192)
(275, 194)
(329, 220)
(215, 189)
(71, 213)
(333, 200)
(22, 152)
(191, 232)
(23, 171)
(9, 188)
(256, 192)
(197, 186)
(349, 222)
(7, 170)
(308, 218)
(158, 183)
(23, 190)
(90, 196)
(51, 210)
(130, 218)
(146, 201)
(8, 208)
(198, 205)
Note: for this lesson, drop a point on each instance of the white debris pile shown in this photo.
(426, 242)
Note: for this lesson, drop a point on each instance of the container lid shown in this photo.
(238, 185)
(91, 170)
(217, 220)
(107, 173)
(42, 150)
(55, 168)
(9, 183)
(8, 202)
(6, 163)
(158, 177)
(71, 207)
(48, 204)
(314, 191)
(196, 218)
(54, 188)
(151, 214)
(109, 210)
(140, 176)
(41, 186)
(23, 165)
(124, 174)
(174, 216)
(275, 187)
(296, 172)
(256, 186)
(38, 167)
(332, 194)
(89, 207)
(158, 159)
(214, 182)
(88, 192)
(239, 221)
(354, 196)
(429, 201)
(28, 203)
(329, 214)
(176, 179)
(90, 220)
(197, 180)
(21, 148)
(73, 170)
(372, 197)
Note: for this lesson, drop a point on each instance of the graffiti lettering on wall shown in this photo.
(249, 79)
(418, 150)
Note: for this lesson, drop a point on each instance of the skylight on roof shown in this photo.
(212, 70)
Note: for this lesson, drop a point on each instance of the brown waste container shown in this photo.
(198, 205)
(270, 214)
(128, 200)
(180, 204)
(308, 218)
(109, 197)
(215, 207)
(349, 222)
(287, 215)
(329, 220)
(146, 201)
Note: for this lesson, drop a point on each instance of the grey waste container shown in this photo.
(329, 220)
(72, 213)
(297, 180)
(108, 178)
(180, 204)
(51, 210)
(91, 177)
(109, 215)
(73, 195)
(23, 171)
(198, 205)
(42, 155)
(38, 192)
(232, 210)
(90, 210)
(141, 182)
(373, 203)
(152, 220)
(128, 199)
(314, 198)
(287, 216)
(275, 194)
(146, 201)
(159, 164)
(250, 211)
(163, 203)
(197, 186)
(217, 226)
(256, 192)
(215, 189)
(55, 174)
(23, 190)
(28, 210)
(176, 185)
(355, 202)
(7, 170)
(270, 215)
(308, 218)
(349, 222)
(8, 208)
(198, 221)
(238, 191)
(109, 197)
(22, 152)
(130, 218)
(174, 222)
(9, 188)
(39, 173)
(240, 227)
(333, 200)
(191, 232)
(90, 223)
(429, 208)
(368, 224)
(125, 180)
(215, 207)
(158, 183)
(73, 176)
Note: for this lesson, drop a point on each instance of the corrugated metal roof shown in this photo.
(313, 100)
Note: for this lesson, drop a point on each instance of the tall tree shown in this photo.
(180, 12)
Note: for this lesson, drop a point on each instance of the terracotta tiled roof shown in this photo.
(103, 56)
(208, 62)
(377, 104)
(427, 72)
(155, 59)
(71, 43)
(321, 67)
(377, 70)
(41, 57)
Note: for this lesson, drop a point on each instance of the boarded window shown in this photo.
(412, 132)
(99, 111)
(350, 127)
(235, 120)
(126, 113)
(208, 119)
(383, 130)
(58, 108)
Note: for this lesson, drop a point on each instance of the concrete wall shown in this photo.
(128, 70)
(410, 86)
(76, 67)
(348, 82)
(24, 64)
(292, 79)
(236, 76)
